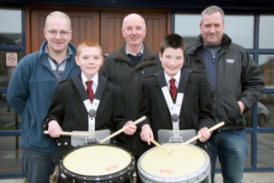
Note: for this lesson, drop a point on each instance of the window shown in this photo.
(187, 26)
(240, 29)
(265, 150)
(11, 51)
(11, 33)
(266, 29)
(266, 62)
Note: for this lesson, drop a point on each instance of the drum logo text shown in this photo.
(111, 167)
(166, 171)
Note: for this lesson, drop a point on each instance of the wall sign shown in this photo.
(11, 59)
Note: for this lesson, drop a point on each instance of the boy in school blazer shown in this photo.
(68, 112)
(191, 99)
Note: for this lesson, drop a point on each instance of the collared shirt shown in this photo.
(176, 77)
(135, 59)
(57, 68)
(94, 80)
(141, 52)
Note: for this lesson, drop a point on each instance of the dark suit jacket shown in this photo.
(68, 109)
(195, 111)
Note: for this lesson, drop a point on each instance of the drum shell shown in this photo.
(124, 175)
(202, 174)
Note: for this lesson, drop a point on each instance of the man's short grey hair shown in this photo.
(133, 14)
(212, 9)
(58, 14)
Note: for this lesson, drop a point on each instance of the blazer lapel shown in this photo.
(83, 95)
(185, 72)
(160, 99)
(99, 94)
(77, 82)
(101, 87)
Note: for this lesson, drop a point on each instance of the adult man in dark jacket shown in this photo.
(127, 66)
(237, 84)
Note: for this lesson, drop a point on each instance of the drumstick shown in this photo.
(121, 130)
(210, 130)
(159, 145)
(63, 133)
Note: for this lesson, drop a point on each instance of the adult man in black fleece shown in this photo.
(237, 84)
(127, 66)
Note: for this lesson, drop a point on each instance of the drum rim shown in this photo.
(200, 174)
(127, 171)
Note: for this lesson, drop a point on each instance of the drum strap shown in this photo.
(174, 108)
(91, 107)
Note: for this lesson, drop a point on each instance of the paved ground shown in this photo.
(252, 178)
(248, 178)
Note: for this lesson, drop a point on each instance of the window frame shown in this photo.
(21, 48)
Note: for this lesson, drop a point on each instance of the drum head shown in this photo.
(186, 163)
(97, 162)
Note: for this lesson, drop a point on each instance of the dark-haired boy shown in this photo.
(176, 98)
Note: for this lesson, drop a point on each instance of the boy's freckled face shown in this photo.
(90, 61)
(172, 60)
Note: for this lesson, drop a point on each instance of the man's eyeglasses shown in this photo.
(55, 32)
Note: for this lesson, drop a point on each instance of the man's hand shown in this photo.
(205, 134)
(242, 106)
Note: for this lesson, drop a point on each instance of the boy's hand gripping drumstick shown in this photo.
(121, 130)
(210, 130)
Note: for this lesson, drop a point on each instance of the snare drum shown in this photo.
(97, 163)
(185, 164)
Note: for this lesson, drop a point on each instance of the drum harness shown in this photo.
(174, 108)
(91, 107)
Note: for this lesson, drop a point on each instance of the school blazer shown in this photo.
(196, 107)
(68, 109)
